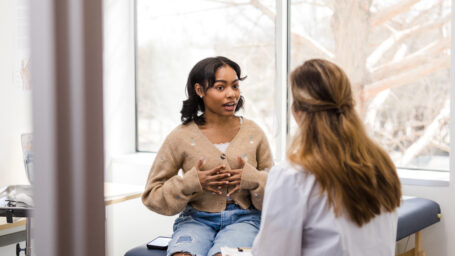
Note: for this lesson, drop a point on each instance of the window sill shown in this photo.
(130, 168)
(424, 178)
(138, 158)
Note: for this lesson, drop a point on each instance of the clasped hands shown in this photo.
(218, 178)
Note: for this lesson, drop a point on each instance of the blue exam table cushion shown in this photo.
(415, 214)
(144, 251)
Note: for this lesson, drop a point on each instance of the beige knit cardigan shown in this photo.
(168, 193)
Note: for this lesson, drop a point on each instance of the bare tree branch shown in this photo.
(260, 6)
(315, 3)
(329, 3)
(373, 108)
(372, 89)
(312, 45)
(392, 141)
(440, 146)
(385, 15)
(427, 137)
(394, 25)
(227, 2)
(399, 37)
(411, 61)
(423, 14)
(307, 41)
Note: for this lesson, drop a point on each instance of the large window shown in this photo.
(172, 36)
(396, 52)
(397, 55)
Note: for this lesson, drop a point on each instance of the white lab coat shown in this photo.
(296, 220)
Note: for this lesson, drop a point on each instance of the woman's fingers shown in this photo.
(241, 161)
(234, 178)
(235, 171)
(233, 191)
(211, 189)
(219, 168)
(235, 182)
(219, 176)
(218, 183)
(200, 163)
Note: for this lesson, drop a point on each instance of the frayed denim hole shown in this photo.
(217, 253)
(184, 253)
(184, 239)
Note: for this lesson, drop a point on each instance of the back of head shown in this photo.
(358, 176)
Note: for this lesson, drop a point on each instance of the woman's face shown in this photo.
(222, 98)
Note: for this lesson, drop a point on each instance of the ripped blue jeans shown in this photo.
(204, 233)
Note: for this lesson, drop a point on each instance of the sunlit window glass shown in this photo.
(397, 55)
(174, 35)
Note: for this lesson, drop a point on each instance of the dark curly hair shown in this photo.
(203, 73)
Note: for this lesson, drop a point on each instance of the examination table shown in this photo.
(414, 214)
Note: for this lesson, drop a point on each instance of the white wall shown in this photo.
(129, 224)
(15, 108)
(15, 103)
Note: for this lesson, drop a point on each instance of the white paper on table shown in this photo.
(227, 251)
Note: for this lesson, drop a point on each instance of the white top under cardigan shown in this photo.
(296, 220)
(223, 147)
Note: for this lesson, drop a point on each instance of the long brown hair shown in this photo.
(359, 177)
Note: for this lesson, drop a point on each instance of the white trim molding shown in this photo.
(282, 70)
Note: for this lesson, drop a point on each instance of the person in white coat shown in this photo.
(338, 191)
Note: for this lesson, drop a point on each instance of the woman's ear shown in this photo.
(199, 90)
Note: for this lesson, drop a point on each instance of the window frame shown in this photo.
(282, 98)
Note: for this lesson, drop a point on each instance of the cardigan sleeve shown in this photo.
(166, 192)
(254, 179)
